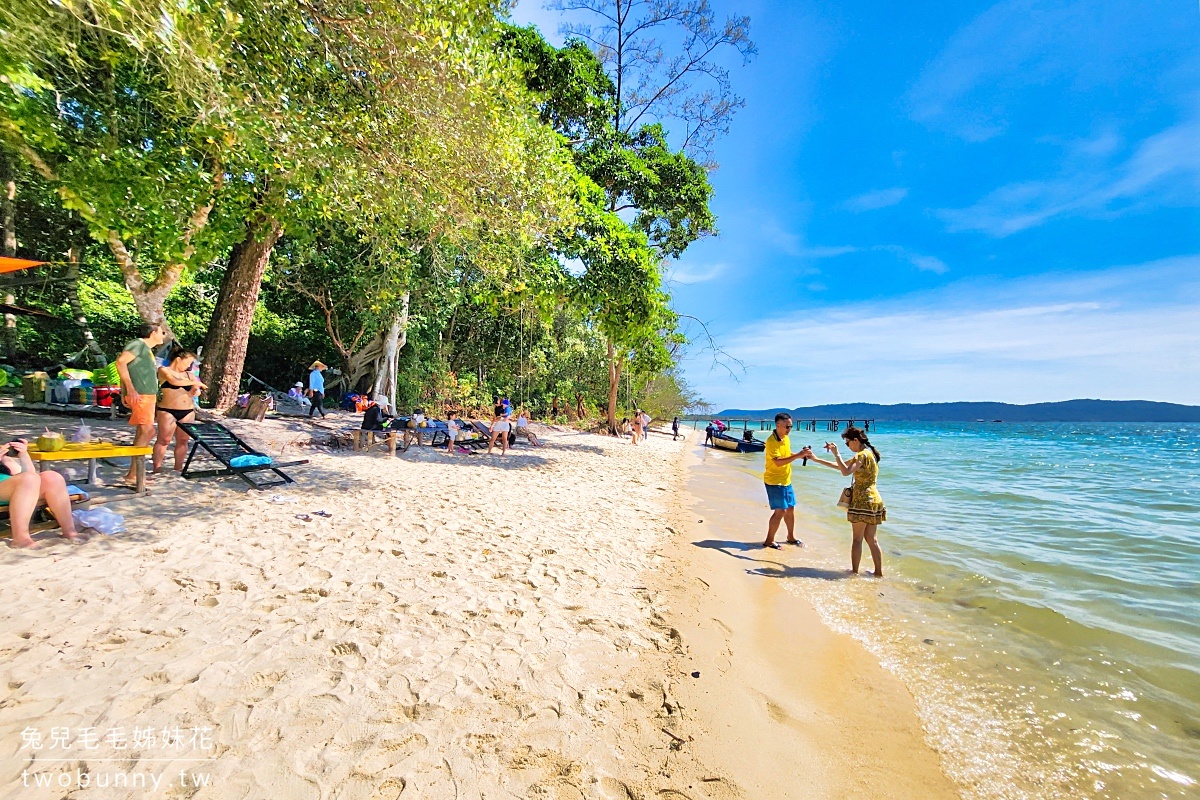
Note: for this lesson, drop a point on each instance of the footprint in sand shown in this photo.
(390, 789)
(388, 753)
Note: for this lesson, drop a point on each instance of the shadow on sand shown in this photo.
(771, 569)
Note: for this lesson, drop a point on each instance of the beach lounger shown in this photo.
(220, 443)
(483, 430)
(435, 433)
(79, 499)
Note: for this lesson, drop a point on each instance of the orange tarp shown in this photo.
(14, 264)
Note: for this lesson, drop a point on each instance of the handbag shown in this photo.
(844, 499)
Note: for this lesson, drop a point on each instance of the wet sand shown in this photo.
(783, 707)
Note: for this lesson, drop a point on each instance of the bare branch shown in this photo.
(721, 358)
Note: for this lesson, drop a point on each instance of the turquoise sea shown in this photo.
(1041, 598)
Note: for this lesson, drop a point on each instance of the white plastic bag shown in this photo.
(99, 519)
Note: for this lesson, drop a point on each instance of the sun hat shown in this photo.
(297, 385)
(318, 365)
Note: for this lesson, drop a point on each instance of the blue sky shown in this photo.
(954, 201)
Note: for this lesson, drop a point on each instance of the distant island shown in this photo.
(1065, 411)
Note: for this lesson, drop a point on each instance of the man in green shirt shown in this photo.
(139, 385)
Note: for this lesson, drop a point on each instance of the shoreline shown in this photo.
(525, 625)
(784, 706)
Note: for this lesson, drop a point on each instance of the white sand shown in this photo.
(462, 627)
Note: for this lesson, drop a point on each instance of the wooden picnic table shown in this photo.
(92, 453)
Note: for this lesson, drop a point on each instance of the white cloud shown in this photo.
(1111, 334)
(880, 198)
(922, 262)
(533, 12)
(1165, 163)
(1014, 44)
(688, 275)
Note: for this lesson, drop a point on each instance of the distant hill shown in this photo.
(1066, 411)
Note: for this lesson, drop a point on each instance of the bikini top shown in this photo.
(165, 385)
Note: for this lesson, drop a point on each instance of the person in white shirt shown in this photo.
(523, 428)
(452, 428)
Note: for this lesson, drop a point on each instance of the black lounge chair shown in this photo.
(221, 444)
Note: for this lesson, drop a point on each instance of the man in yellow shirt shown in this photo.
(778, 479)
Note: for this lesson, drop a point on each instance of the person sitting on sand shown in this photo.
(866, 511)
(21, 485)
(524, 430)
(500, 428)
(777, 477)
(626, 428)
(179, 388)
(297, 391)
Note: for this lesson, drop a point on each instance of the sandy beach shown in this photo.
(471, 626)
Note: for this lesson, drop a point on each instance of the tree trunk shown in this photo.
(229, 331)
(397, 337)
(10, 250)
(614, 385)
(81, 322)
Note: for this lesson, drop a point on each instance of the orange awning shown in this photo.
(14, 264)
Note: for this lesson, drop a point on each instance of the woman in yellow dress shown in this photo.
(866, 510)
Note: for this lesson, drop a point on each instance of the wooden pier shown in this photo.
(831, 425)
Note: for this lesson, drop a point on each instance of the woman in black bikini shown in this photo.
(176, 404)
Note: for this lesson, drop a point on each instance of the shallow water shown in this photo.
(1042, 598)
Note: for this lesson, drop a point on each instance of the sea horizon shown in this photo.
(1074, 410)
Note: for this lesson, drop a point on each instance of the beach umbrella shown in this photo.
(17, 264)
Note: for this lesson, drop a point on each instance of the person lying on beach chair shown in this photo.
(414, 428)
(22, 487)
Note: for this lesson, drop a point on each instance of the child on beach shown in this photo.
(777, 477)
(866, 511)
(452, 430)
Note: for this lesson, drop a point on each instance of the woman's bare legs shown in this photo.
(53, 487)
(21, 491)
(503, 436)
(181, 444)
(166, 431)
(876, 553)
(860, 530)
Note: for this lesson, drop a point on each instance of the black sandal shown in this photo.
(773, 545)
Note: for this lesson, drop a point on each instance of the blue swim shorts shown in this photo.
(780, 497)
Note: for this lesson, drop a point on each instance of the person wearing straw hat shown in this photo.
(316, 388)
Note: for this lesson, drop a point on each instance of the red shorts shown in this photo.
(143, 412)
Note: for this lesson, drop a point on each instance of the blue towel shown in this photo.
(237, 462)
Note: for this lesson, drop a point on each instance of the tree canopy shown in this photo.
(442, 203)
